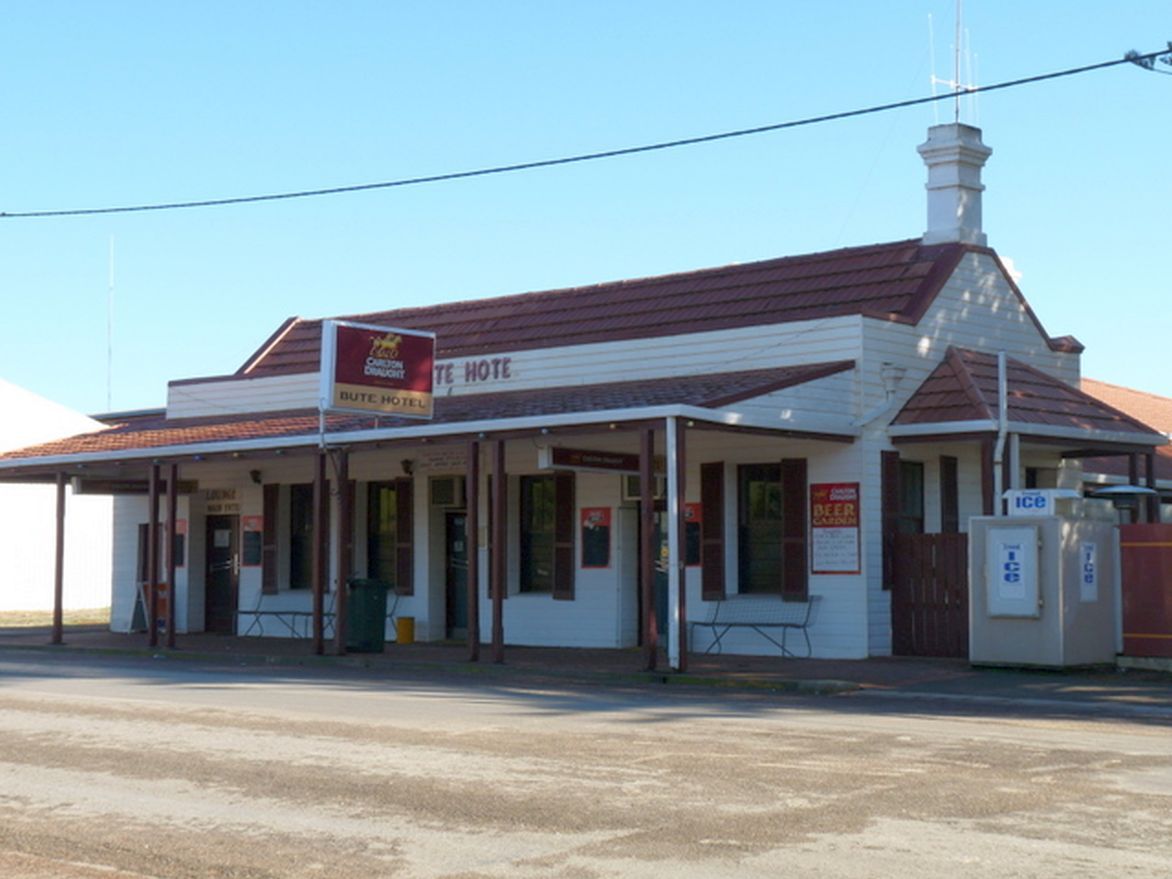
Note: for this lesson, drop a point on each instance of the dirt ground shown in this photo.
(130, 769)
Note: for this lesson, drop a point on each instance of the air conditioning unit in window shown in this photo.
(631, 487)
(447, 491)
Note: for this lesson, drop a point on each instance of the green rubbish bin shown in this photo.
(366, 623)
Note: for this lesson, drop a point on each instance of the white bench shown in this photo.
(761, 613)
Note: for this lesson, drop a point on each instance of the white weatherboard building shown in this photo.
(27, 545)
(608, 464)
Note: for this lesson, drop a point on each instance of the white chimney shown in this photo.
(954, 155)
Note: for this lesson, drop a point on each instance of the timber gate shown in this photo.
(930, 595)
(1146, 567)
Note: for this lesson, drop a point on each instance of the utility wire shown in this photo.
(584, 157)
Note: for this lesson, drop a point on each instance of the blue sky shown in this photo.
(118, 103)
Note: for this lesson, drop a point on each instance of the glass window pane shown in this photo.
(760, 528)
(538, 507)
(381, 531)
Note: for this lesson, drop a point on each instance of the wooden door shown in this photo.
(456, 541)
(223, 574)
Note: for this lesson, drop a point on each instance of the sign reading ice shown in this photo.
(1088, 571)
(1011, 572)
(367, 368)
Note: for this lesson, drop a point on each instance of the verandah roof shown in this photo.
(962, 395)
(132, 437)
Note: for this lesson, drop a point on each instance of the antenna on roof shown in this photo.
(961, 47)
(110, 331)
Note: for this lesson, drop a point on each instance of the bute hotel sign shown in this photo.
(383, 370)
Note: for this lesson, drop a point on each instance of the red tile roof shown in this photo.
(711, 391)
(887, 281)
(964, 388)
(1150, 408)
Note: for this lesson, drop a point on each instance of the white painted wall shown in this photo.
(28, 515)
(802, 342)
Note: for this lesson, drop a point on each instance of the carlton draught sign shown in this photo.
(367, 368)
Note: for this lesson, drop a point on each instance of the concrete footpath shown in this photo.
(1105, 691)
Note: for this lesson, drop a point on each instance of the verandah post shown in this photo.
(499, 538)
(172, 562)
(647, 546)
(59, 565)
(345, 520)
(319, 553)
(152, 577)
(678, 542)
(472, 542)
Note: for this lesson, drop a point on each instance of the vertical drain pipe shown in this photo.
(1002, 428)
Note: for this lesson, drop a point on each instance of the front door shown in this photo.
(456, 541)
(223, 574)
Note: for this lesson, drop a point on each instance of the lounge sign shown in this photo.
(368, 368)
(560, 458)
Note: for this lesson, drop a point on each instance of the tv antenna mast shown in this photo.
(961, 48)
(110, 331)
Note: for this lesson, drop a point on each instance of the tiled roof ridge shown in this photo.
(955, 357)
(892, 281)
(657, 279)
(268, 345)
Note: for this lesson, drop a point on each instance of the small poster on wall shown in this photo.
(596, 537)
(834, 517)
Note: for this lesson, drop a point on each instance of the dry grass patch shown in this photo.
(98, 616)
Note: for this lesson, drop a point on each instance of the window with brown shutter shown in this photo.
(794, 554)
(301, 536)
(772, 553)
(390, 533)
(563, 538)
(712, 531)
(405, 535)
(382, 531)
(949, 495)
(547, 560)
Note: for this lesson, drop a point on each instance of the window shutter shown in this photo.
(712, 531)
(563, 536)
(889, 490)
(404, 546)
(268, 552)
(795, 582)
(949, 495)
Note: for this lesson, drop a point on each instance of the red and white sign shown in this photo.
(834, 517)
(367, 368)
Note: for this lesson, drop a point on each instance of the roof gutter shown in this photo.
(1028, 430)
(423, 431)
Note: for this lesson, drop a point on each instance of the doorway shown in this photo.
(223, 574)
(456, 554)
(659, 549)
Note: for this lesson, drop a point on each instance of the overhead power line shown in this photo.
(1130, 58)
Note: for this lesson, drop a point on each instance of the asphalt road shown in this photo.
(137, 768)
